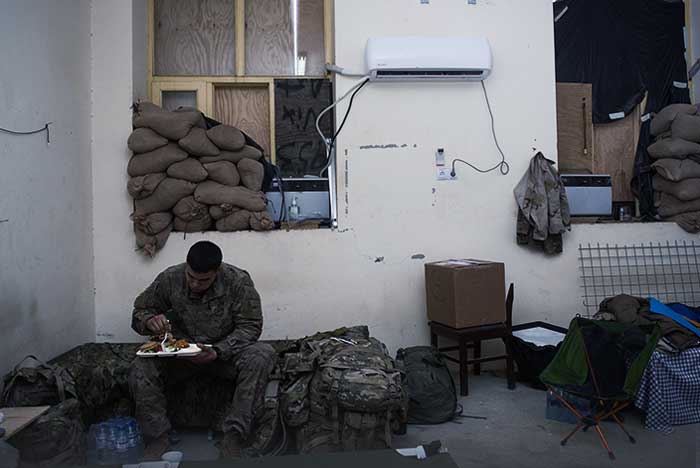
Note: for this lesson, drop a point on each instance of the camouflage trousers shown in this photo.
(248, 370)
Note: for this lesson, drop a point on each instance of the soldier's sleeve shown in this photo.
(153, 301)
(247, 316)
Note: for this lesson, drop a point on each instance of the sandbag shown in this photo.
(201, 123)
(226, 137)
(201, 224)
(155, 161)
(673, 148)
(677, 169)
(684, 190)
(153, 223)
(689, 222)
(686, 127)
(171, 125)
(212, 193)
(167, 194)
(188, 209)
(252, 174)
(143, 140)
(667, 205)
(143, 186)
(238, 220)
(223, 172)
(151, 244)
(261, 221)
(663, 120)
(188, 169)
(221, 211)
(248, 152)
(197, 143)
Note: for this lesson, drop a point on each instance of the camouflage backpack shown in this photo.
(44, 384)
(343, 393)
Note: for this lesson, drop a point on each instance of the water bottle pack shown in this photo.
(115, 442)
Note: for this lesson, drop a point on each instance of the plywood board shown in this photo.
(246, 107)
(575, 128)
(310, 36)
(17, 419)
(615, 149)
(194, 37)
(300, 149)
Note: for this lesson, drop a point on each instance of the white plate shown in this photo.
(191, 350)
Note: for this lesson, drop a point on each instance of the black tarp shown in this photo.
(624, 48)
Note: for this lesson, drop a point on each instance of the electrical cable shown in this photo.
(352, 90)
(502, 166)
(45, 128)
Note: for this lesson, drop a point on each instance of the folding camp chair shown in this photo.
(602, 362)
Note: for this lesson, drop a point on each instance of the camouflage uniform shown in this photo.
(228, 316)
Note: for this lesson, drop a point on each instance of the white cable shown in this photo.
(333, 68)
(324, 111)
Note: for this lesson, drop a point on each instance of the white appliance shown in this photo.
(589, 195)
(413, 58)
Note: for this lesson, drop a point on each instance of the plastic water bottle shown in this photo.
(134, 441)
(102, 443)
(122, 443)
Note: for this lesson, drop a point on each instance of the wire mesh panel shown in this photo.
(667, 271)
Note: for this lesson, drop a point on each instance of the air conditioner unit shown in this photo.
(428, 58)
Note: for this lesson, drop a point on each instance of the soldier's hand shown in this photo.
(206, 356)
(158, 324)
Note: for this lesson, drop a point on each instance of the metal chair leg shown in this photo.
(566, 439)
(605, 442)
(622, 426)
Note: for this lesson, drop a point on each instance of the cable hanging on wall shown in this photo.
(45, 128)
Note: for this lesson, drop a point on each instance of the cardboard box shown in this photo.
(465, 293)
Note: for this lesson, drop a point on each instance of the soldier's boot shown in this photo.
(156, 448)
(231, 446)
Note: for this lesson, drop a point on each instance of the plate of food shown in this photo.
(159, 346)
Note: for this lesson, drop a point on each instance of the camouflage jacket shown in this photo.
(228, 315)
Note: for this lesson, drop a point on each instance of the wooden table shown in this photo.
(18, 418)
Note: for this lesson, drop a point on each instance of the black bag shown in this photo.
(432, 396)
(44, 384)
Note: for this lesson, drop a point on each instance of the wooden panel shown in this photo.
(171, 100)
(269, 45)
(615, 149)
(17, 419)
(575, 128)
(194, 37)
(310, 36)
(159, 88)
(300, 150)
(247, 108)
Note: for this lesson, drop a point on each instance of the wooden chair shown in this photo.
(471, 337)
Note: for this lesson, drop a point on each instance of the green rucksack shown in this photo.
(432, 396)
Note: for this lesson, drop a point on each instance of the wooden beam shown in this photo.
(273, 147)
(328, 29)
(240, 37)
(150, 41)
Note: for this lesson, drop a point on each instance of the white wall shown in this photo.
(316, 280)
(46, 280)
(139, 47)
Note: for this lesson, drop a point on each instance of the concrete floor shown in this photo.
(516, 433)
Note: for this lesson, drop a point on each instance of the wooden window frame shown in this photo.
(204, 85)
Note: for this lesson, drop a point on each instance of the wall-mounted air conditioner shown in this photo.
(428, 58)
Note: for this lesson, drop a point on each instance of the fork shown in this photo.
(165, 336)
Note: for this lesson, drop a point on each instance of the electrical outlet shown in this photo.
(471, 2)
(443, 173)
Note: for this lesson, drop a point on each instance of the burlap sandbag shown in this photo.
(689, 222)
(155, 161)
(686, 127)
(144, 186)
(238, 220)
(677, 169)
(188, 169)
(171, 125)
(188, 209)
(226, 137)
(252, 174)
(197, 143)
(673, 148)
(148, 244)
(223, 172)
(153, 223)
(684, 190)
(167, 194)
(667, 205)
(201, 123)
(212, 193)
(221, 211)
(261, 221)
(248, 152)
(663, 120)
(196, 225)
(143, 140)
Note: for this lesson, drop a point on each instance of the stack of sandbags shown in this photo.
(676, 154)
(186, 178)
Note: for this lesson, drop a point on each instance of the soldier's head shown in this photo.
(203, 262)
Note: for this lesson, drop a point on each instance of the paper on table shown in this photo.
(540, 336)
